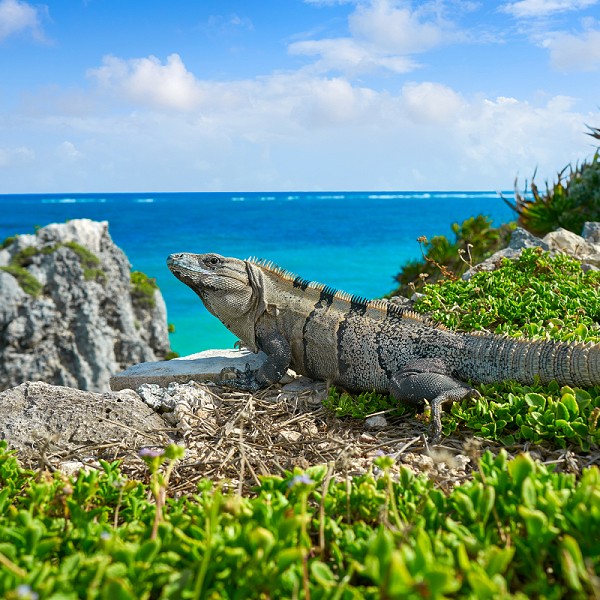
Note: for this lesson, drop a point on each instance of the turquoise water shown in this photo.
(354, 241)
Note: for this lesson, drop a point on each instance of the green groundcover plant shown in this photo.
(517, 530)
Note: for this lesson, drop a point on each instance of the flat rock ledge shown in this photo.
(203, 366)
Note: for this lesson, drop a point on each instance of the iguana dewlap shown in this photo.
(362, 344)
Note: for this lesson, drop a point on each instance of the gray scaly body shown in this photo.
(366, 345)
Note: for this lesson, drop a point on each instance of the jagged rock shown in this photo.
(86, 321)
(584, 249)
(203, 366)
(520, 239)
(35, 415)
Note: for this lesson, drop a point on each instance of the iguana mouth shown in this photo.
(192, 274)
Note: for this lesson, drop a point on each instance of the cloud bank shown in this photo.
(151, 123)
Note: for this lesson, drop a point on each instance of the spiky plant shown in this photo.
(569, 203)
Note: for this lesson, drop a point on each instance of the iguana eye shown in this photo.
(212, 261)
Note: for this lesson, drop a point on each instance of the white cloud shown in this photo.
(20, 155)
(351, 57)
(148, 82)
(395, 30)
(289, 131)
(543, 8)
(384, 35)
(18, 17)
(67, 151)
(430, 102)
(569, 52)
(333, 102)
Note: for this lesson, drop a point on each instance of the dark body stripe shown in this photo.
(320, 324)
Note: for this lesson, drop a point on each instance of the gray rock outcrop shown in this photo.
(36, 416)
(69, 312)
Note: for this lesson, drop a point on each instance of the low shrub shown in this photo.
(517, 530)
(475, 240)
(143, 289)
(522, 298)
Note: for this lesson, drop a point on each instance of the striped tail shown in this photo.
(497, 358)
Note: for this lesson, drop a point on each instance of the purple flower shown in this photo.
(24, 592)
(303, 479)
(151, 452)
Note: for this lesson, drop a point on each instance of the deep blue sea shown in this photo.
(354, 241)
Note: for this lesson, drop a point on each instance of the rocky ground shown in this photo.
(232, 437)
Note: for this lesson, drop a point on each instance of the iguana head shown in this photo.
(229, 288)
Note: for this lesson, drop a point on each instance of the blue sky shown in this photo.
(113, 95)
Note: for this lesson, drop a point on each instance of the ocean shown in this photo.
(353, 241)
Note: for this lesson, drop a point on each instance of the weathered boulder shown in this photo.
(69, 312)
(36, 416)
(582, 248)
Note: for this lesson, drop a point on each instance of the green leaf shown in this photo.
(528, 493)
(535, 400)
(498, 559)
(483, 586)
(520, 468)
(398, 580)
(148, 550)
(571, 404)
(486, 503)
(536, 521)
(322, 574)
(117, 589)
(583, 398)
(572, 563)
(289, 556)
(561, 411)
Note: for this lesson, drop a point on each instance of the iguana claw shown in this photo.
(241, 380)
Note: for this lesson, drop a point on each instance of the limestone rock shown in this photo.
(34, 414)
(563, 240)
(203, 366)
(184, 406)
(376, 422)
(520, 239)
(86, 320)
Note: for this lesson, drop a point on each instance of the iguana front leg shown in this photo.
(279, 356)
(431, 380)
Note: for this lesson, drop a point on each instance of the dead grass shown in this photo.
(235, 438)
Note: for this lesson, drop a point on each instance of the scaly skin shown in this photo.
(366, 344)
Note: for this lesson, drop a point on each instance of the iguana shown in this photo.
(363, 344)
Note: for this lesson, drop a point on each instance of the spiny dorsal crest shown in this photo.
(384, 307)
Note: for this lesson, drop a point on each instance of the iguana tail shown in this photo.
(489, 358)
